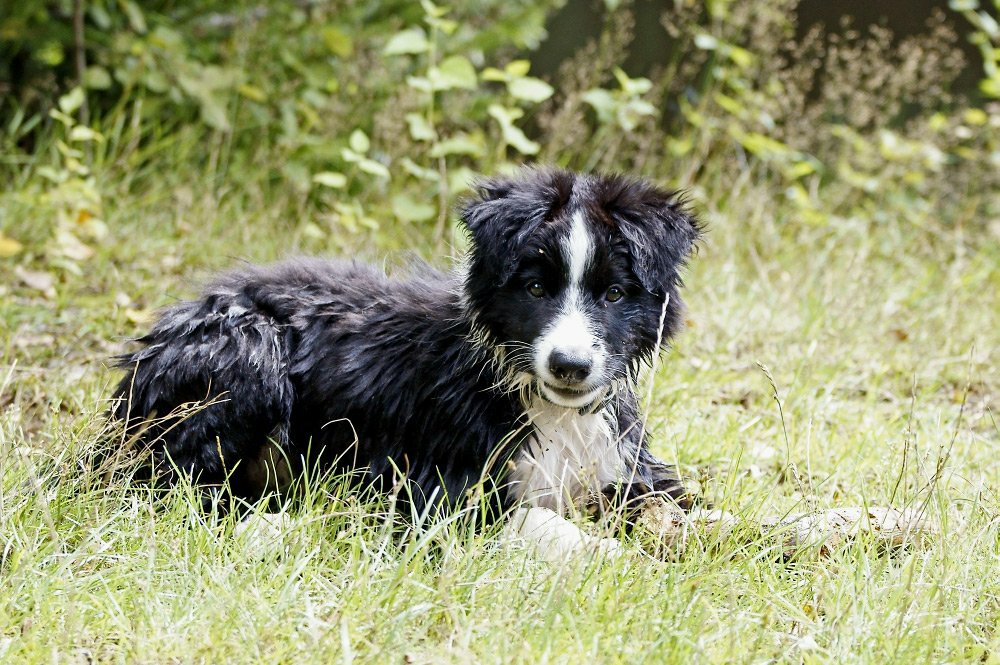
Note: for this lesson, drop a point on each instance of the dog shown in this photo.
(511, 381)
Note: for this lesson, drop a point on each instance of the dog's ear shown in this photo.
(505, 213)
(659, 229)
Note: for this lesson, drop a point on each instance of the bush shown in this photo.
(382, 111)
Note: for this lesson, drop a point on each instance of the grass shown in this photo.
(878, 341)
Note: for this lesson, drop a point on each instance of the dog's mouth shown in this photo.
(573, 398)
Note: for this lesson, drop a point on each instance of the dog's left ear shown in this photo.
(660, 232)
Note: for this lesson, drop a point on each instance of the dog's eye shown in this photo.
(614, 294)
(536, 289)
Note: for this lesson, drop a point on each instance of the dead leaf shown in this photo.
(71, 247)
(26, 341)
(138, 316)
(9, 247)
(37, 280)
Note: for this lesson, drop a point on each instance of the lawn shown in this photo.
(883, 359)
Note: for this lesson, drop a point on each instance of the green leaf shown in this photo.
(800, 169)
(50, 53)
(631, 114)
(706, 42)
(493, 74)
(512, 135)
(530, 89)
(517, 68)
(412, 40)
(337, 41)
(71, 101)
(729, 104)
(84, 133)
(603, 103)
(742, 57)
(454, 72)
(213, 112)
(407, 209)
(418, 171)
(96, 77)
(420, 129)
(419, 83)
(373, 167)
(459, 144)
(252, 92)
(359, 142)
(135, 16)
(432, 10)
(330, 179)
(632, 86)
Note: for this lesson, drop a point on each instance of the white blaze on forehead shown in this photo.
(572, 331)
(578, 249)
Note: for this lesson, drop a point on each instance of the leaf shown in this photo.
(454, 72)
(419, 83)
(530, 89)
(9, 247)
(252, 92)
(742, 57)
(84, 133)
(632, 86)
(373, 167)
(432, 10)
(96, 77)
(420, 129)
(311, 230)
(460, 144)
(213, 113)
(412, 40)
(493, 74)
(706, 42)
(71, 101)
(135, 18)
(330, 179)
(517, 68)
(359, 142)
(418, 171)
(337, 41)
(407, 209)
(37, 280)
(631, 114)
(512, 135)
(603, 103)
(70, 247)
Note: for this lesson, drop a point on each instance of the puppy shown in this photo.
(509, 384)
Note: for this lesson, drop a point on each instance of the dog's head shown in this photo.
(576, 277)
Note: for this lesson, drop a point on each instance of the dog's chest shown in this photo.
(568, 458)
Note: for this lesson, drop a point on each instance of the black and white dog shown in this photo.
(512, 379)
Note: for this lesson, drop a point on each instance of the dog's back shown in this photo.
(291, 364)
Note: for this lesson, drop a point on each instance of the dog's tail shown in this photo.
(208, 394)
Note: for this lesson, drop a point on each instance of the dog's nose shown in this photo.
(569, 367)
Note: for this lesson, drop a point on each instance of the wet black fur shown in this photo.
(347, 369)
